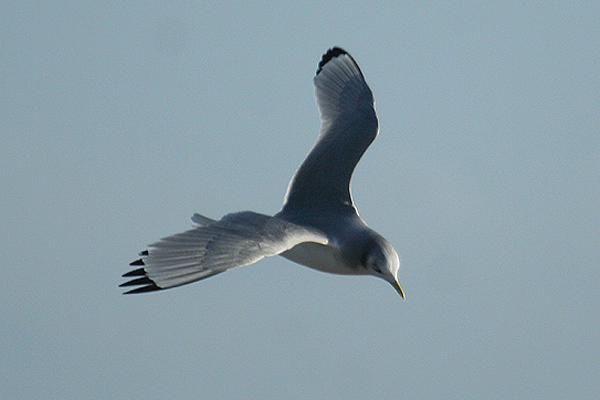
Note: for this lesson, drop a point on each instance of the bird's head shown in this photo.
(381, 260)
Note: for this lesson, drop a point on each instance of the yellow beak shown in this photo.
(398, 288)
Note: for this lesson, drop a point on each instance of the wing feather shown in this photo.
(348, 126)
(215, 246)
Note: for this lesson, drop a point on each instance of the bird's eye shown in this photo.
(370, 263)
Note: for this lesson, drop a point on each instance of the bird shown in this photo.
(318, 225)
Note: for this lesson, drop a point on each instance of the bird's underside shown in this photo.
(318, 225)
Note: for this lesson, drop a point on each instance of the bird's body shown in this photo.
(318, 225)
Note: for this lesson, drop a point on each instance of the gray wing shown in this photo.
(349, 125)
(214, 247)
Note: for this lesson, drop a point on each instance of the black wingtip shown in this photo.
(135, 272)
(144, 289)
(144, 280)
(137, 262)
(331, 53)
(140, 277)
(148, 284)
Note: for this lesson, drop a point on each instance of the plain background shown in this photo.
(119, 120)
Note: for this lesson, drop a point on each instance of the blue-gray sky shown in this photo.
(120, 120)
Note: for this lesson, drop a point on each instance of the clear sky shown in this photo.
(122, 119)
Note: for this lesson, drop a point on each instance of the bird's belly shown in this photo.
(320, 257)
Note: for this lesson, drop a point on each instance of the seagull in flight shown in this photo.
(318, 225)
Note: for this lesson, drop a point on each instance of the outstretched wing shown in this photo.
(348, 126)
(214, 247)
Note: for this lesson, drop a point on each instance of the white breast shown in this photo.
(320, 257)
